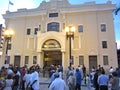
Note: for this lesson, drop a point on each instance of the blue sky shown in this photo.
(35, 3)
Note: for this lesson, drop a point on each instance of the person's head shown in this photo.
(103, 72)
(71, 73)
(56, 74)
(114, 74)
(77, 70)
(9, 76)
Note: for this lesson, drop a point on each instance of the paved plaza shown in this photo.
(45, 81)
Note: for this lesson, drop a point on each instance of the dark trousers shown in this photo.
(78, 87)
(103, 87)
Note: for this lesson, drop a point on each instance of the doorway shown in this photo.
(92, 62)
(52, 57)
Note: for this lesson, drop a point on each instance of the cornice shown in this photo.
(87, 7)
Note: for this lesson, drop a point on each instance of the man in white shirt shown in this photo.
(58, 83)
(34, 81)
(27, 79)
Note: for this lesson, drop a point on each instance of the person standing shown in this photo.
(88, 82)
(71, 81)
(114, 81)
(58, 83)
(103, 80)
(96, 85)
(8, 83)
(78, 79)
(84, 73)
(15, 81)
(34, 81)
(27, 79)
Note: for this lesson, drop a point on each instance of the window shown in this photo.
(34, 59)
(81, 60)
(35, 32)
(53, 15)
(105, 60)
(80, 28)
(26, 59)
(28, 31)
(103, 27)
(54, 26)
(104, 44)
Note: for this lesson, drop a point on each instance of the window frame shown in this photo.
(34, 59)
(103, 27)
(28, 31)
(81, 60)
(105, 60)
(80, 28)
(35, 31)
(53, 26)
(26, 59)
(104, 44)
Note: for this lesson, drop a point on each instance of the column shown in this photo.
(40, 59)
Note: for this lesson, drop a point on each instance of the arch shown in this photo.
(51, 43)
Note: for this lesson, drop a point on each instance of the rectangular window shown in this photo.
(28, 31)
(53, 15)
(34, 59)
(80, 28)
(104, 44)
(81, 60)
(105, 60)
(103, 27)
(36, 30)
(26, 59)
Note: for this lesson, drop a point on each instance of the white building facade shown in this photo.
(40, 36)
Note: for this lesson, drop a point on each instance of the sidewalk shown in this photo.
(44, 82)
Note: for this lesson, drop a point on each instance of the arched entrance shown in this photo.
(52, 53)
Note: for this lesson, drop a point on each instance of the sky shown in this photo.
(30, 4)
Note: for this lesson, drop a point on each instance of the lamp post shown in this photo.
(7, 36)
(70, 34)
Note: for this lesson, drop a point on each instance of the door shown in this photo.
(92, 62)
(52, 57)
(17, 61)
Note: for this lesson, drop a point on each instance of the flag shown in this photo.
(11, 3)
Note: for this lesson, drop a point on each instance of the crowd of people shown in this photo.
(15, 78)
(24, 78)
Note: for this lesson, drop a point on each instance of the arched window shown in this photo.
(51, 43)
(53, 26)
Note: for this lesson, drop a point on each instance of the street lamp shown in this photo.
(7, 36)
(70, 34)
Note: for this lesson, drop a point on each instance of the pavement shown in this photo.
(44, 82)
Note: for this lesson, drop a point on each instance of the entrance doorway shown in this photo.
(52, 57)
(92, 62)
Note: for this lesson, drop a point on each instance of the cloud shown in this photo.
(118, 44)
(22, 4)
